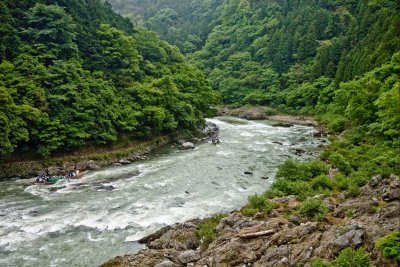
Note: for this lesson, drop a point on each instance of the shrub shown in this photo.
(349, 257)
(319, 263)
(339, 161)
(206, 230)
(341, 182)
(313, 209)
(353, 190)
(389, 245)
(257, 204)
(294, 171)
(322, 182)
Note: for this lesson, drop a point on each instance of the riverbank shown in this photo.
(264, 113)
(97, 158)
(278, 236)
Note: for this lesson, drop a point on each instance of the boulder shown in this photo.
(93, 166)
(188, 145)
(189, 256)
(211, 129)
(81, 166)
(124, 161)
(51, 171)
(348, 236)
(375, 180)
(166, 263)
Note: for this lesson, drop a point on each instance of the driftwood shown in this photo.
(256, 234)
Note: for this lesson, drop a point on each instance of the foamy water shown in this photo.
(102, 215)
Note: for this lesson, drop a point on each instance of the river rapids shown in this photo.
(102, 215)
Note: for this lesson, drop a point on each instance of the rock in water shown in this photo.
(188, 145)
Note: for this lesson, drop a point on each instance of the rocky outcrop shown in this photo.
(276, 239)
(187, 145)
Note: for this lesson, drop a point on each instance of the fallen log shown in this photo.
(256, 234)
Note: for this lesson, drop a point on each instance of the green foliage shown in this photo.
(256, 204)
(320, 263)
(206, 230)
(346, 258)
(75, 74)
(350, 258)
(301, 179)
(389, 245)
(313, 209)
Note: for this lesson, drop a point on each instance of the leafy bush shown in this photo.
(319, 263)
(294, 171)
(341, 182)
(352, 258)
(389, 245)
(206, 230)
(339, 161)
(353, 190)
(313, 209)
(346, 258)
(322, 182)
(257, 204)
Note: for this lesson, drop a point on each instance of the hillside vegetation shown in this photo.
(74, 73)
(337, 60)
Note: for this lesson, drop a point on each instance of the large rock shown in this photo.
(91, 165)
(53, 171)
(188, 145)
(211, 129)
(179, 238)
(82, 166)
(348, 236)
(189, 256)
(124, 161)
(166, 263)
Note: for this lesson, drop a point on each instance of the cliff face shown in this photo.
(277, 238)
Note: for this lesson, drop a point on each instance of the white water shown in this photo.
(85, 224)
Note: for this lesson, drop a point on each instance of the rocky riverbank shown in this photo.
(277, 237)
(262, 113)
(101, 158)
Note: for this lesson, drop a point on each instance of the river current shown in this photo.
(102, 215)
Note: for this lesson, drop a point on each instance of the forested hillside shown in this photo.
(338, 60)
(271, 52)
(74, 73)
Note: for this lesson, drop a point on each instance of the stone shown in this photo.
(248, 173)
(51, 171)
(117, 164)
(375, 180)
(93, 166)
(348, 236)
(166, 263)
(81, 166)
(395, 184)
(392, 194)
(188, 145)
(124, 161)
(189, 256)
(294, 220)
(264, 177)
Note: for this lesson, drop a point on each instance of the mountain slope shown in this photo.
(74, 73)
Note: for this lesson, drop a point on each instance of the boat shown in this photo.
(49, 180)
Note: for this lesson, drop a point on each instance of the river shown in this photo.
(101, 215)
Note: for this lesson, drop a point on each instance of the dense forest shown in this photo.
(337, 60)
(74, 73)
